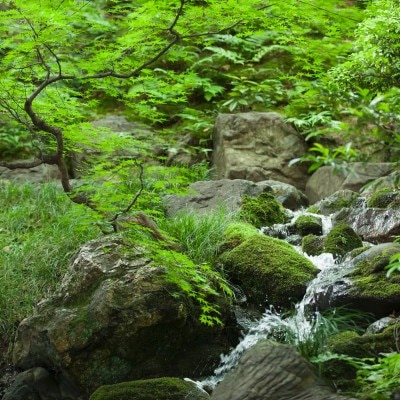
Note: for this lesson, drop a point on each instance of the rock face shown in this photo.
(209, 195)
(272, 371)
(115, 319)
(326, 181)
(257, 146)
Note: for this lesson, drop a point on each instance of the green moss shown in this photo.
(384, 198)
(339, 200)
(312, 245)
(263, 210)
(269, 270)
(150, 389)
(341, 239)
(236, 233)
(308, 224)
(313, 209)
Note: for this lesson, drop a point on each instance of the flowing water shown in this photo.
(300, 326)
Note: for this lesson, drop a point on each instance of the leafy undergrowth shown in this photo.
(40, 230)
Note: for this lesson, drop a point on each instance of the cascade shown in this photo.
(302, 324)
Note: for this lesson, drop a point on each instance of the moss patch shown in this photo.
(308, 224)
(236, 233)
(269, 270)
(263, 210)
(312, 245)
(150, 389)
(341, 239)
(385, 198)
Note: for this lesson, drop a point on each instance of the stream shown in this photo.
(302, 324)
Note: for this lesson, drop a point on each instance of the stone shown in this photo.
(257, 146)
(272, 371)
(115, 318)
(366, 287)
(269, 271)
(39, 384)
(151, 389)
(326, 180)
(210, 195)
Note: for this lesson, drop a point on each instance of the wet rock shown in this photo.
(257, 146)
(269, 271)
(116, 319)
(210, 195)
(374, 225)
(275, 372)
(366, 287)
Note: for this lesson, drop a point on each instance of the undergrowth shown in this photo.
(40, 229)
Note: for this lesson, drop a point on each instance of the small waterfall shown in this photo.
(302, 324)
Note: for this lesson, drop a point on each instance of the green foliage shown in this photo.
(394, 265)
(40, 231)
(319, 155)
(378, 379)
(199, 237)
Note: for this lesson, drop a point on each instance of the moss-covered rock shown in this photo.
(269, 270)
(384, 198)
(236, 233)
(312, 245)
(150, 389)
(308, 224)
(341, 239)
(337, 201)
(263, 210)
(370, 286)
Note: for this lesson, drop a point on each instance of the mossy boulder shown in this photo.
(336, 202)
(368, 288)
(308, 224)
(236, 233)
(341, 239)
(312, 245)
(385, 198)
(150, 389)
(263, 210)
(115, 318)
(269, 271)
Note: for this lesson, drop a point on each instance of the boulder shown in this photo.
(39, 384)
(269, 271)
(366, 287)
(272, 371)
(151, 389)
(210, 195)
(257, 146)
(375, 225)
(326, 180)
(115, 318)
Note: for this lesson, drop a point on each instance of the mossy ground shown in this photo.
(308, 224)
(150, 389)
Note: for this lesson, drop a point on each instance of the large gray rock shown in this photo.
(210, 195)
(326, 181)
(257, 146)
(275, 372)
(116, 319)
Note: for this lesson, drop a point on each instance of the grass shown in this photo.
(40, 230)
(200, 236)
